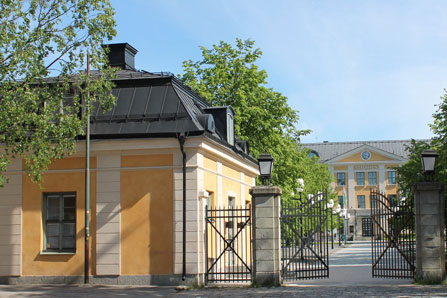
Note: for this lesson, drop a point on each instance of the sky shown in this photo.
(355, 70)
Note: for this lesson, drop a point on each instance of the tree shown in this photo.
(39, 38)
(228, 75)
(411, 172)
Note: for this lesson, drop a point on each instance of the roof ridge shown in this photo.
(364, 142)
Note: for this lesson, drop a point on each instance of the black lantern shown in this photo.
(428, 157)
(265, 162)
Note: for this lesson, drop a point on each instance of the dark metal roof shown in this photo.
(153, 106)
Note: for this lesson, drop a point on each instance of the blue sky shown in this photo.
(355, 70)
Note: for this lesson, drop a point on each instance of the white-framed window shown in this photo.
(373, 201)
(360, 177)
(341, 179)
(59, 222)
(372, 178)
(361, 201)
(391, 177)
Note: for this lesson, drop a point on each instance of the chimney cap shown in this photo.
(122, 45)
(121, 55)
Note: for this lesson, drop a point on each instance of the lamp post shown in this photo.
(330, 205)
(265, 162)
(337, 211)
(346, 216)
(428, 158)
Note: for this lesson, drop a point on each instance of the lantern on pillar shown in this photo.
(265, 162)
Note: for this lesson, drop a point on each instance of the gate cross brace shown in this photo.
(391, 242)
(306, 242)
(228, 244)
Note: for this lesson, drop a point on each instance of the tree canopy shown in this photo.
(411, 172)
(227, 75)
(42, 38)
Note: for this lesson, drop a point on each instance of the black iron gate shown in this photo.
(228, 245)
(393, 239)
(304, 238)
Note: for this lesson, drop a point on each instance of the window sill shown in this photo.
(46, 253)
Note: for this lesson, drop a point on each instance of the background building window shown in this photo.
(361, 201)
(373, 200)
(59, 222)
(340, 201)
(341, 179)
(392, 177)
(360, 178)
(393, 200)
(372, 178)
(366, 227)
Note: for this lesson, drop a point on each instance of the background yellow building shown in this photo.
(137, 189)
(359, 167)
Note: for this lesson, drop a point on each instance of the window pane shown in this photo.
(341, 178)
(52, 230)
(69, 229)
(360, 178)
(373, 201)
(53, 207)
(68, 242)
(392, 177)
(52, 242)
(69, 208)
(372, 180)
(361, 201)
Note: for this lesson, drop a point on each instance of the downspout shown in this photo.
(87, 184)
(181, 139)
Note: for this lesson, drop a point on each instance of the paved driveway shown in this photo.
(351, 266)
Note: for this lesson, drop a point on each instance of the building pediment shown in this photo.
(365, 154)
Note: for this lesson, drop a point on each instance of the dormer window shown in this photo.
(224, 121)
(230, 129)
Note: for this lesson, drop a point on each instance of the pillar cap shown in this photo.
(265, 190)
(428, 186)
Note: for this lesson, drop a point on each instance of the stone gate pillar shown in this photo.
(430, 223)
(266, 204)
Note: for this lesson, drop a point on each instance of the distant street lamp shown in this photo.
(265, 162)
(346, 216)
(300, 190)
(330, 205)
(429, 157)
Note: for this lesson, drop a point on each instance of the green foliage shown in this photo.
(39, 38)
(411, 172)
(228, 75)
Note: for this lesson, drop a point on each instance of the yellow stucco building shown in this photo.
(137, 189)
(359, 167)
